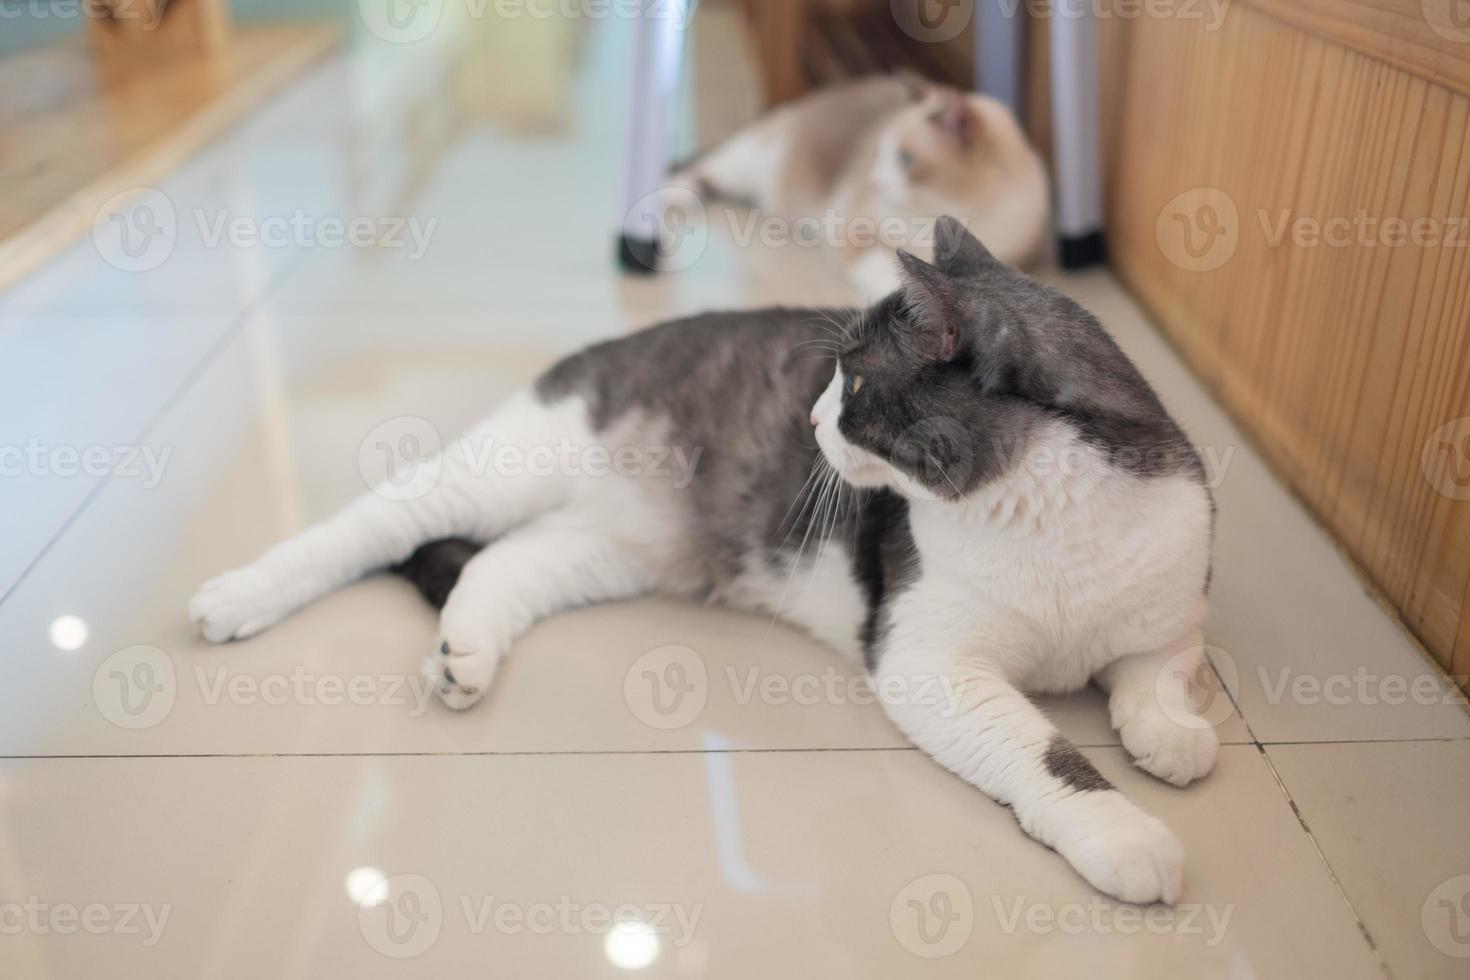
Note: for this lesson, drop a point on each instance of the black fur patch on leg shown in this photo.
(1070, 766)
(435, 568)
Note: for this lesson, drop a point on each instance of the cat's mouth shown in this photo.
(854, 465)
(861, 468)
(865, 474)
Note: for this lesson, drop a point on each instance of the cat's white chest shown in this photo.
(1057, 593)
(1007, 594)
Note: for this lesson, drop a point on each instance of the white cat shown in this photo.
(967, 486)
(889, 152)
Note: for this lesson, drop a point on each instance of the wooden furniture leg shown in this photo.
(777, 26)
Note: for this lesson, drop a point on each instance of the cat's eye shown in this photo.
(906, 160)
(854, 382)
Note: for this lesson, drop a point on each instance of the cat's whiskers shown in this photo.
(834, 514)
(802, 495)
(851, 328)
(835, 327)
(825, 483)
(821, 343)
(940, 466)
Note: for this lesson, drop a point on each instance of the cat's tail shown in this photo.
(435, 568)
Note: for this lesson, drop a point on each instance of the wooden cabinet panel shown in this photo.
(1294, 211)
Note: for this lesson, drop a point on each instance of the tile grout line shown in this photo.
(624, 752)
(570, 753)
(1326, 864)
(195, 373)
(1234, 702)
(1364, 741)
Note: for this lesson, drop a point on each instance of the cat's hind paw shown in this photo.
(1173, 752)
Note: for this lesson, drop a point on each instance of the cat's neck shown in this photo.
(1050, 479)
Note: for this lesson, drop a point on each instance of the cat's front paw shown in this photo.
(1118, 848)
(1175, 753)
(461, 675)
(237, 605)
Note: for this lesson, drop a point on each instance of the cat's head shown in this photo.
(932, 393)
(933, 144)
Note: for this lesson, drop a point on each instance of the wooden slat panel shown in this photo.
(1426, 38)
(1342, 362)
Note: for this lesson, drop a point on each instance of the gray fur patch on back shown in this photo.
(738, 389)
(1070, 766)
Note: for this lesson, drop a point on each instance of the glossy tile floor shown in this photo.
(295, 806)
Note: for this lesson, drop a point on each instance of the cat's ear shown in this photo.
(936, 328)
(957, 117)
(958, 252)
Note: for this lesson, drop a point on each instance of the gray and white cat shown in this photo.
(968, 486)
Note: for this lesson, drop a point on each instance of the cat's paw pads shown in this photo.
(1132, 857)
(237, 605)
(461, 676)
(1175, 753)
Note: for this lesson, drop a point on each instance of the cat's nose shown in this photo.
(814, 418)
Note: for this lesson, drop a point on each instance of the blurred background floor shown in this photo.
(295, 806)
